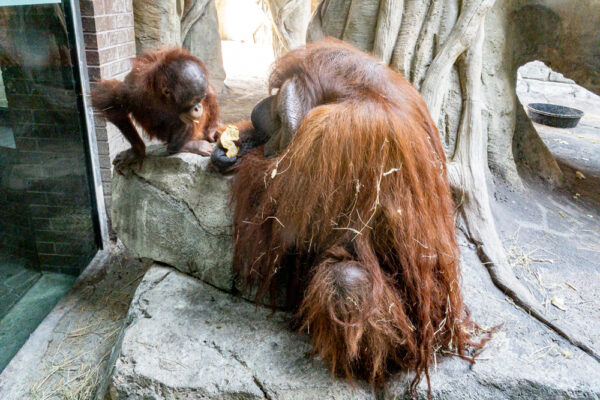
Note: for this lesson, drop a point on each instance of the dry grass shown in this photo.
(76, 359)
(525, 259)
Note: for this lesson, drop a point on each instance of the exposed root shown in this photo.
(466, 29)
(414, 15)
(388, 26)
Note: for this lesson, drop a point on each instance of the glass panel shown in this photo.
(47, 230)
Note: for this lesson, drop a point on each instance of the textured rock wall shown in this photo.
(175, 210)
(185, 339)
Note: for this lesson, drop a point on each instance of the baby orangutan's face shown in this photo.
(186, 90)
(193, 115)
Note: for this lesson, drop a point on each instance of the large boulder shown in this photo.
(175, 210)
(185, 339)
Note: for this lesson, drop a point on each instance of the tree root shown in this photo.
(190, 15)
(459, 39)
(424, 49)
(388, 26)
(414, 15)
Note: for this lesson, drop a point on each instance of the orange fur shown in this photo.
(363, 182)
(141, 96)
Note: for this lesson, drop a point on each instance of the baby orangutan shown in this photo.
(168, 94)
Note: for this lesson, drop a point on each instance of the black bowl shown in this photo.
(553, 115)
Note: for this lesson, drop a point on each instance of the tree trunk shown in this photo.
(463, 55)
(289, 19)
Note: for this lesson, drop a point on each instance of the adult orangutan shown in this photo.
(348, 207)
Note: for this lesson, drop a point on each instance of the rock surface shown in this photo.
(175, 210)
(156, 24)
(185, 340)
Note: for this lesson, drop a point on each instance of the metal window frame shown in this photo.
(97, 192)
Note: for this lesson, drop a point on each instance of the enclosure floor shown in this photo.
(32, 307)
(15, 281)
(551, 236)
(574, 149)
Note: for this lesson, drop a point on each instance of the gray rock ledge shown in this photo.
(185, 339)
(175, 210)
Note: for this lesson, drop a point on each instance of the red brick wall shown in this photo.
(110, 44)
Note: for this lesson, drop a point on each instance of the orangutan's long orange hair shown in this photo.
(359, 194)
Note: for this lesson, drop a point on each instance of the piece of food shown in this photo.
(228, 137)
(558, 303)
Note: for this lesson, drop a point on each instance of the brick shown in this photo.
(108, 71)
(106, 174)
(74, 270)
(101, 23)
(54, 236)
(80, 199)
(14, 196)
(92, 58)
(21, 117)
(99, 7)
(131, 34)
(117, 6)
(119, 36)
(104, 161)
(102, 148)
(126, 51)
(40, 198)
(87, 8)
(124, 21)
(96, 40)
(26, 144)
(101, 129)
(88, 24)
(94, 73)
(75, 248)
(41, 223)
(106, 187)
(109, 55)
(59, 260)
(102, 40)
(44, 211)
